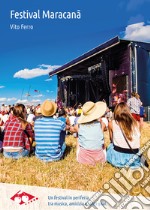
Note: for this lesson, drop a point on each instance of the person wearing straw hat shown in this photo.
(47, 134)
(90, 148)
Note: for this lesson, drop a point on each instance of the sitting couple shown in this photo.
(47, 133)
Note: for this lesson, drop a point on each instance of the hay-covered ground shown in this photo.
(66, 173)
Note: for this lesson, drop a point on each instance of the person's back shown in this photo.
(119, 140)
(134, 104)
(88, 132)
(14, 134)
(90, 147)
(124, 133)
(47, 134)
(16, 142)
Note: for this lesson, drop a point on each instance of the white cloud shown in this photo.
(50, 79)
(35, 101)
(28, 102)
(36, 72)
(2, 86)
(3, 99)
(47, 66)
(138, 32)
(22, 101)
(38, 96)
(11, 99)
(49, 91)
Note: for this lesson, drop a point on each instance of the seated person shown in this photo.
(47, 134)
(123, 128)
(16, 143)
(90, 147)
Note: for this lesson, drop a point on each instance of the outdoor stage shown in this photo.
(109, 72)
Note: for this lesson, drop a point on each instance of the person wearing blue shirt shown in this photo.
(47, 134)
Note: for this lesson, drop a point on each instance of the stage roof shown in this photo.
(99, 49)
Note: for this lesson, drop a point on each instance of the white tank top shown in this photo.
(119, 139)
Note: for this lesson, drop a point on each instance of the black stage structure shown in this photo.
(108, 72)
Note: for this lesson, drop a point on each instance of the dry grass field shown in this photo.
(67, 173)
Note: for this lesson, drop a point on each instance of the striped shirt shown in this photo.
(47, 136)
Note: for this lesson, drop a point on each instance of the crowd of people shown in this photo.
(47, 125)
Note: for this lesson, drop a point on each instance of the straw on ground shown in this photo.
(66, 173)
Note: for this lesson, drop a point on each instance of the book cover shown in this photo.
(37, 37)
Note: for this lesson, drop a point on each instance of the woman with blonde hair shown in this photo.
(18, 131)
(125, 138)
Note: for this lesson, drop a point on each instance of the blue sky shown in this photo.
(26, 56)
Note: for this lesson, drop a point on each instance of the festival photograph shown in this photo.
(74, 104)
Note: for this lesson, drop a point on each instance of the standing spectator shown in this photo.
(123, 127)
(134, 104)
(47, 134)
(16, 143)
(79, 110)
(90, 148)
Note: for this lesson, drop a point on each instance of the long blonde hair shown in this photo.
(123, 117)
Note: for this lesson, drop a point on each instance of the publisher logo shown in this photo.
(23, 198)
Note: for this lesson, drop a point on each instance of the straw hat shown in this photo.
(48, 108)
(92, 111)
